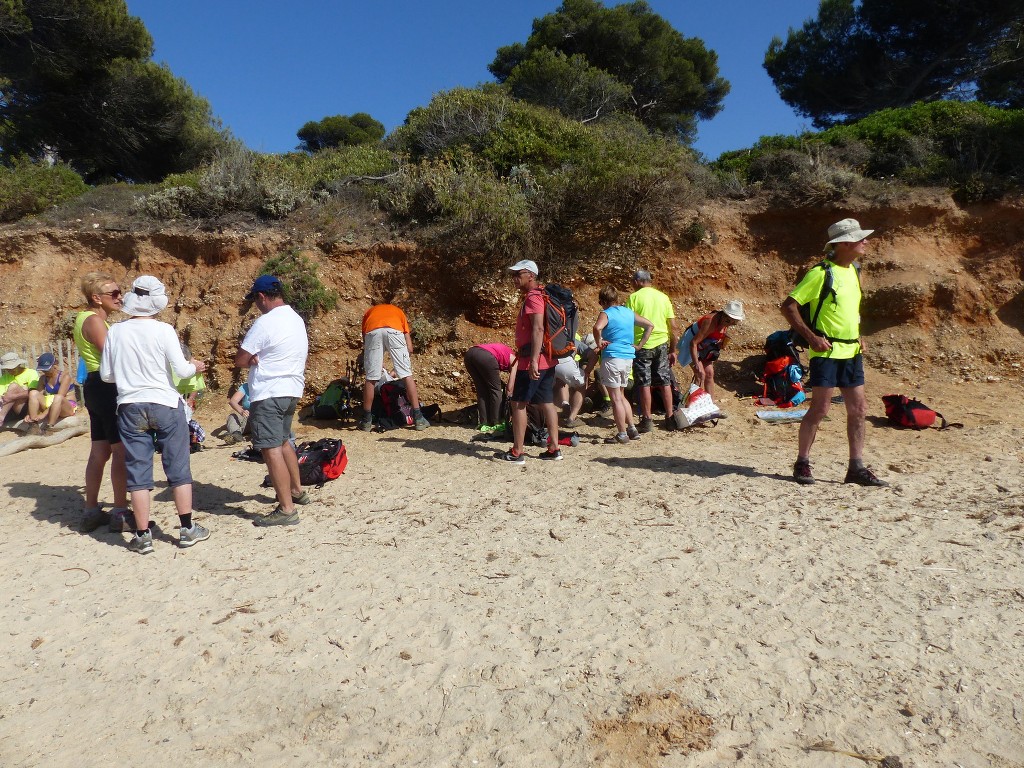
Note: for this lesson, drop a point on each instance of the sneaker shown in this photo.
(121, 520)
(232, 437)
(189, 536)
(498, 430)
(632, 433)
(864, 476)
(802, 472)
(485, 428)
(510, 458)
(94, 518)
(574, 422)
(366, 425)
(606, 410)
(421, 423)
(555, 455)
(622, 438)
(277, 517)
(142, 544)
(303, 498)
(646, 425)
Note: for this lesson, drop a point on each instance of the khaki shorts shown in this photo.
(374, 344)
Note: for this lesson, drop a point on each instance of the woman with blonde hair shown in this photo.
(103, 297)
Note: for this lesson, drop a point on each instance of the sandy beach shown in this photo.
(674, 602)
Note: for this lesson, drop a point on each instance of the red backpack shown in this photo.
(321, 461)
(904, 412)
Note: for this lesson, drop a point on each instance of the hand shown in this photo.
(254, 361)
(604, 344)
(820, 344)
(200, 366)
(672, 358)
(863, 348)
(534, 369)
(245, 412)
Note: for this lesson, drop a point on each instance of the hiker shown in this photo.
(139, 356)
(102, 297)
(614, 335)
(486, 363)
(50, 402)
(17, 380)
(570, 386)
(836, 347)
(535, 377)
(237, 427)
(275, 350)
(386, 327)
(190, 388)
(703, 342)
(654, 360)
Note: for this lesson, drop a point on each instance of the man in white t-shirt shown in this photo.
(274, 350)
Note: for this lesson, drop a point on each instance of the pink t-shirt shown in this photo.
(532, 305)
(502, 353)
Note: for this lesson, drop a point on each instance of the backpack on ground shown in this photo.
(783, 370)
(561, 321)
(394, 408)
(335, 402)
(321, 461)
(827, 290)
(907, 413)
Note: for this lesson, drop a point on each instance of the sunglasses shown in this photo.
(114, 294)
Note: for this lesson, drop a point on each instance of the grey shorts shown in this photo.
(614, 372)
(651, 367)
(138, 423)
(270, 421)
(374, 344)
(568, 372)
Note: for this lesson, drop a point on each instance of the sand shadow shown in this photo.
(683, 466)
(447, 446)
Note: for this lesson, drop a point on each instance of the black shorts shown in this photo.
(101, 402)
(537, 391)
(650, 366)
(826, 372)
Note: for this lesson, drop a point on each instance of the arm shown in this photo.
(600, 325)
(673, 337)
(791, 311)
(408, 342)
(94, 331)
(172, 349)
(647, 325)
(703, 329)
(537, 327)
(512, 371)
(245, 359)
(235, 401)
(106, 361)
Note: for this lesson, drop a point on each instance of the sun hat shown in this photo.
(263, 284)
(734, 309)
(525, 264)
(11, 360)
(846, 231)
(45, 362)
(146, 297)
(642, 276)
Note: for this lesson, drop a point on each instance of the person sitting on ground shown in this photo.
(190, 389)
(49, 402)
(703, 342)
(139, 356)
(571, 385)
(486, 363)
(386, 327)
(237, 427)
(614, 336)
(16, 381)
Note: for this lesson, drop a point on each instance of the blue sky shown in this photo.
(268, 66)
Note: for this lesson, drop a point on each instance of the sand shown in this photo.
(674, 602)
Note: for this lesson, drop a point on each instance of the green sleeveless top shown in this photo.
(89, 352)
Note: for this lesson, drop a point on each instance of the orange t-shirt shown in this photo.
(384, 316)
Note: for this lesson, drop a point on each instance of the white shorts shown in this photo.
(374, 344)
(615, 372)
(568, 372)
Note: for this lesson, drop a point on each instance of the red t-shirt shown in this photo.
(533, 304)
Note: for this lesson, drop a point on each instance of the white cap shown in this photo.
(529, 266)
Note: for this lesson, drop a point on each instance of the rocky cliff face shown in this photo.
(944, 287)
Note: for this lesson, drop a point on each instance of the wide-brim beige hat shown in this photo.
(146, 297)
(846, 231)
(11, 360)
(734, 309)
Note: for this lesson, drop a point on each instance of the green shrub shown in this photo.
(301, 284)
(428, 329)
(28, 188)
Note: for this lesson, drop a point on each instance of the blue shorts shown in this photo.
(537, 391)
(826, 372)
(137, 422)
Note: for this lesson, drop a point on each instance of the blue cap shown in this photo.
(46, 361)
(264, 284)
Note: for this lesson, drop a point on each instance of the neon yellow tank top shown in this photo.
(87, 349)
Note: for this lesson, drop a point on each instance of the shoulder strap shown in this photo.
(947, 424)
(826, 288)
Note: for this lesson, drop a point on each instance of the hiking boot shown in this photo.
(366, 425)
(555, 455)
(142, 544)
(277, 517)
(622, 438)
(233, 437)
(864, 476)
(302, 499)
(576, 421)
(632, 433)
(421, 423)
(94, 518)
(606, 410)
(121, 520)
(189, 536)
(802, 472)
(510, 458)
(646, 425)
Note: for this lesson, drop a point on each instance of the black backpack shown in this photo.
(805, 309)
(335, 402)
